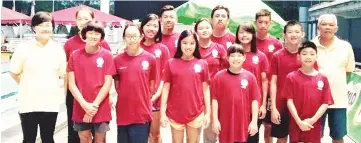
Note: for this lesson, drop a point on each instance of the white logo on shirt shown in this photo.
(244, 83)
(175, 43)
(214, 53)
(255, 59)
(145, 65)
(122, 68)
(229, 44)
(320, 84)
(100, 62)
(271, 48)
(197, 68)
(157, 53)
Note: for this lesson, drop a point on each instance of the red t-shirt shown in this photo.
(308, 94)
(171, 42)
(227, 40)
(283, 62)
(215, 56)
(161, 54)
(76, 42)
(185, 98)
(256, 63)
(269, 46)
(235, 94)
(89, 83)
(133, 88)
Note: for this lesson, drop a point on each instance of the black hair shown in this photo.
(219, 7)
(166, 8)
(41, 17)
(185, 34)
(248, 27)
(199, 21)
(93, 26)
(129, 25)
(263, 12)
(149, 17)
(292, 23)
(235, 48)
(307, 44)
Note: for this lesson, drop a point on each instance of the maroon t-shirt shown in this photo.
(186, 97)
(171, 42)
(308, 94)
(133, 88)
(227, 40)
(90, 71)
(215, 56)
(269, 46)
(76, 42)
(283, 62)
(161, 54)
(235, 94)
(256, 63)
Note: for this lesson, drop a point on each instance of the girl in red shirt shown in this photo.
(185, 98)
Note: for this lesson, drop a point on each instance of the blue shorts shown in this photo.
(134, 133)
(337, 119)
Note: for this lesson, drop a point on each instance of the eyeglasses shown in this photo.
(132, 37)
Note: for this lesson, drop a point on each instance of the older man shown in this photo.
(336, 60)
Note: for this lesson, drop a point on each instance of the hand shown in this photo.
(206, 120)
(310, 121)
(262, 112)
(275, 116)
(90, 108)
(216, 126)
(252, 128)
(164, 120)
(304, 126)
(87, 118)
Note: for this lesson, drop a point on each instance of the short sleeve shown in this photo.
(213, 88)
(165, 56)
(274, 64)
(167, 72)
(350, 59)
(287, 91)
(205, 73)
(66, 50)
(264, 63)
(110, 70)
(278, 44)
(256, 95)
(326, 93)
(70, 67)
(153, 69)
(18, 59)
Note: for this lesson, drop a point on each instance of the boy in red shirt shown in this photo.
(236, 92)
(308, 97)
(220, 20)
(268, 45)
(169, 37)
(91, 89)
(283, 62)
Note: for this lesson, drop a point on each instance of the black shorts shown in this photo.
(281, 130)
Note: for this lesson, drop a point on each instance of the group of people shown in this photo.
(203, 79)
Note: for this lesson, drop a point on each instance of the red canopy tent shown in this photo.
(67, 16)
(9, 16)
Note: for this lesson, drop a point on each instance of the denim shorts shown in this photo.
(336, 121)
(98, 127)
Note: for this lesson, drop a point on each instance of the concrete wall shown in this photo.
(355, 38)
